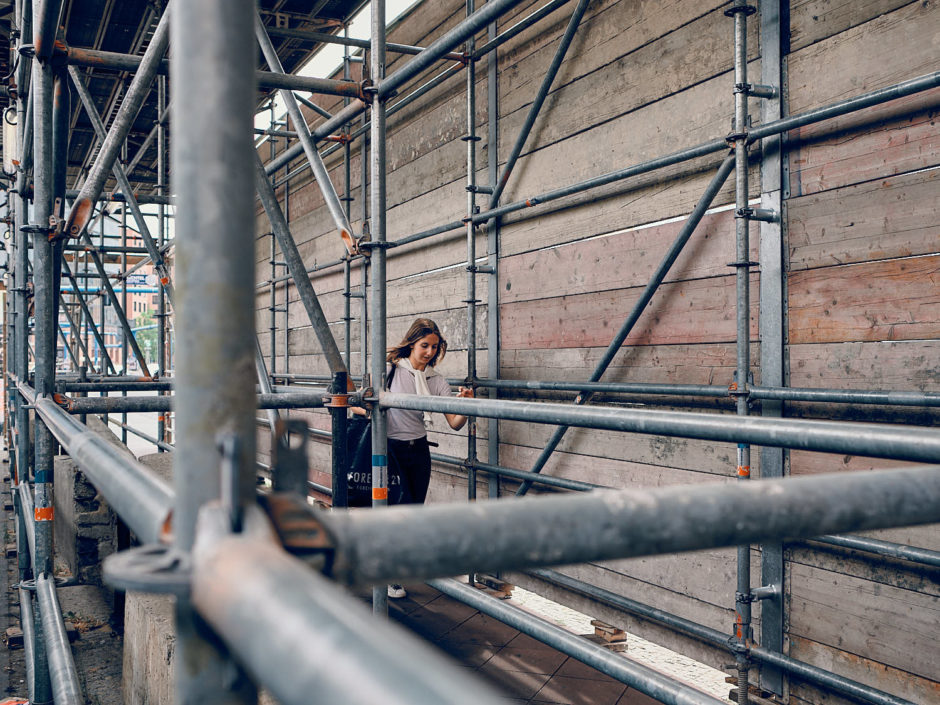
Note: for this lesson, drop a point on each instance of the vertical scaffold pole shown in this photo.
(161, 241)
(471, 139)
(45, 339)
(492, 253)
(212, 100)
(739, 13)
(378, 318)
(774, 29)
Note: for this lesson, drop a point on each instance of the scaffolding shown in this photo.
(215, 543)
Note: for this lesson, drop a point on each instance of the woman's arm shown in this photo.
(457, 421)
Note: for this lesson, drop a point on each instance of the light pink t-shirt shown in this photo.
(405, 424)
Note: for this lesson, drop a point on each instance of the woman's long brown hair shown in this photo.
(420, 328)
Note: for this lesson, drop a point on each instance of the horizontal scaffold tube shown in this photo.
(688, 390)
(139, 497)
(845, 396)
(94, 58)
(109, 405)
(450, 40)
(378, 547)
(299, 634)
(915, 554)
(866, 439)
(156, 385)
(663, 688)
(62, 673)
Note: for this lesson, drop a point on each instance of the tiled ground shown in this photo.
(526, 670)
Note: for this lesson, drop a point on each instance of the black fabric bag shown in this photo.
(359, 477)
(359, 452)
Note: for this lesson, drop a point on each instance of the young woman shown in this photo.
(411, 368)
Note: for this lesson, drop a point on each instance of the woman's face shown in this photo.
(423, 351)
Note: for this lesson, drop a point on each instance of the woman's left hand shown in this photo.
(465, 392)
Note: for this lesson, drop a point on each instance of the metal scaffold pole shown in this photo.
(743, 631)
(377, 200)
(212, 99)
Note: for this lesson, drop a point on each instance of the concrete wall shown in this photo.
(860, 254)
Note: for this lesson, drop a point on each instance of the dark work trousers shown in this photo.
(414, 462)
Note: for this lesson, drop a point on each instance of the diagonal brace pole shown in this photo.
(80, 213)
(295, 265)
(87, 312)
(78, 337)
(124, 184)
(658, 276)
(540, 97)
(122, 318)
(333, 204)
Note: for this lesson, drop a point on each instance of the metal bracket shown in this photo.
(154, 568)
(299, 530)
(765, 215)
(766, 592)
(289, 472)
(740, 7)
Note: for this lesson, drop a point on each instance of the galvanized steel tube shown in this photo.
(888, 549)
(299, 634)
(377, 546)
(640, 305)
(62, 673)
(29, 640)
(138, 496)
(212, 110)
(872, 440)
(378, 318)
(137, 93)
(451, 39)
(298, 272)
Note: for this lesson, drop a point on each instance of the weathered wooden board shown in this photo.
(911, 365)
(619, 260)
(698, 311)
(894, 626)
(890, 300)
(697, 456)
(888, 49)
(673, 364)
(865, 566)
(876, 143)
(893, 217)
(614, 78)
(814, 20)
(872, 673)
(609, 472)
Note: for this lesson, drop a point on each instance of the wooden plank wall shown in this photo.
(861, 255)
